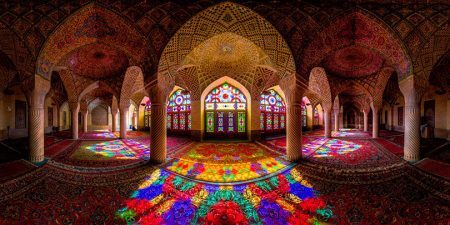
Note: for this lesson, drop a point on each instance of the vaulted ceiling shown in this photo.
(97, 41)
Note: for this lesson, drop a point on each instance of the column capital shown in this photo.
(74, 105)
(411, 91)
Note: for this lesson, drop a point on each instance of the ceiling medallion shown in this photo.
(226, 48)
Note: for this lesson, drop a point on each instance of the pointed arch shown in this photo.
(235, 84)
(221, 18)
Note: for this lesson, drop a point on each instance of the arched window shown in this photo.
(179, 111)
(316, 116)
(304, 115)
(225, 109)
(273, 112)
(147, 113)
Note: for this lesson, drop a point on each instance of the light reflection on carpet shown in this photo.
(335, 147)
(165, 198)
(108, 150)
(231, 162)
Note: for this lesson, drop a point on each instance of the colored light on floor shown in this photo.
(165, 198)
(335, 147)
(226, 162)
(107, 150)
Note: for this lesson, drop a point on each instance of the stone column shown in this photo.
(327, 122)
(36, 127)
(336, 120)
(255, 131)
(375, 122)
(366, 120)
(123, 122)
(196, 120)
(158, 133)
(412, 119)
(74, 109)
(114, 121)
(294, 132)
(85, 121)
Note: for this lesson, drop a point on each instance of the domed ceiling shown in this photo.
(353, 62)
(97, 61)
(227, 54)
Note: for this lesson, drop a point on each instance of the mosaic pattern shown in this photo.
(108, 150)
(164, 198)
(226, 162)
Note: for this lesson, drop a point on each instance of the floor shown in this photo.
(347, 179)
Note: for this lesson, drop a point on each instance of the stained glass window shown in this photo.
(225, 108)
(273, 112)
(304, 115)
(179, 111)
(316, 116)
(147, 113)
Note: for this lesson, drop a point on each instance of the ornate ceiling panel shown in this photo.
(226, 17)
(97, 61)
(353, 61)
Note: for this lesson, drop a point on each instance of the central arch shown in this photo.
(235, 84)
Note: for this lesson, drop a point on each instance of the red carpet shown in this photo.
(57, 148)
(435, 167)
(395, 149)
(147, 196)
(14, 169)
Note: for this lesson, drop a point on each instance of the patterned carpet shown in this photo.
(344, 132)
(97, 135)
(145, 195)
(227, 162)
(111, 153)
(344, 153)
(329, 187)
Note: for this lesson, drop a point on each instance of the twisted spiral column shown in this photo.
(294, 132)
(327, 121)
(123, 122)
(412, 92)
(375, 123)
(36, 133)
(366, 121)
(158, 133)
(412, 132)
